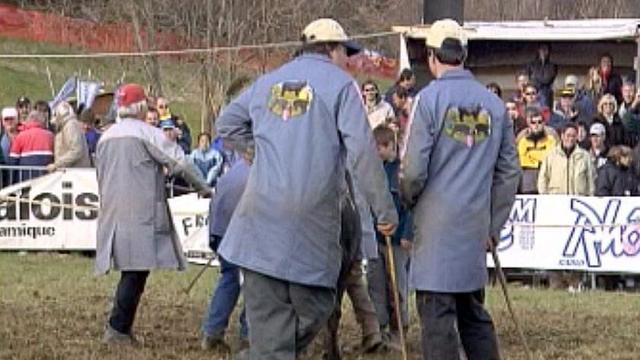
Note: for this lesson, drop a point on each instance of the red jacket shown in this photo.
(33, 146)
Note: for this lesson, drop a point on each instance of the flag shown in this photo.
(86, 93)
(65, 91)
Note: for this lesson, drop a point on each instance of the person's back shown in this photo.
(309, 124)
(33, 146)
(229, 190)
(464, 152)
(459, 175)
(298, 153)
(71, 149)
(135, 234)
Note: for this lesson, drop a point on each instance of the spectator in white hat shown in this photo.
(597, 145)
(8, 131)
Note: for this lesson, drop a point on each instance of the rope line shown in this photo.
(187, 51)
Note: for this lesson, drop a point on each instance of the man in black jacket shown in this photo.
(542, 73)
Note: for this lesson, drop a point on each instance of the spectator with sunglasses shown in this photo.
(379, 112)
(533, 144)
(530, 98)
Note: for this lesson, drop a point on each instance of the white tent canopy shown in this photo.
(545, 30)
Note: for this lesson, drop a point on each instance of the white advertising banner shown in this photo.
(543, 232)
(596, 234)
(28, 221)
(191, 220)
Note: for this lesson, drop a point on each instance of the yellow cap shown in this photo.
(445, 29)
(324, 30)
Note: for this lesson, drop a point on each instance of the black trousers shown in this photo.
(125, 303)
(447, 317)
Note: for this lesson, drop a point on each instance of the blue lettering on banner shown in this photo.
(522, 212)
(592, 242)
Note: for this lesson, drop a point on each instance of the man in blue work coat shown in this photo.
(309, 124)
(459, 175)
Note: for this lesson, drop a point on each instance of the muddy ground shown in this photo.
(53, 307)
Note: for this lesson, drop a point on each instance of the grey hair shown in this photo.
(133, 110)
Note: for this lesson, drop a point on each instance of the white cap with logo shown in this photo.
(328, 30)
(597, 129)
(444, 29)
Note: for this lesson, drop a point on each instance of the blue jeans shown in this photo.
(223, 301)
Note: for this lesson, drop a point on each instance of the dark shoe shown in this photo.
(214, 343)
(112, 336)
(371, 342)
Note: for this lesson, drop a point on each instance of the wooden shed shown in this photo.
(497, 50)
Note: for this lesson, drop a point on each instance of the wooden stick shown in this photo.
(391, 270)
(187, 290)
(503, 284)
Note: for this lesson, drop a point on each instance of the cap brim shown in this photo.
(352, 47)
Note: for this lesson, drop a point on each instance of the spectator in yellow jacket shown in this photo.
(533, 144)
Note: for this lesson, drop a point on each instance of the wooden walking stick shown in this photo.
(197, 277)
(391, 271)
(503, 284)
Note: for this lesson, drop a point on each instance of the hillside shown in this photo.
(28, 77)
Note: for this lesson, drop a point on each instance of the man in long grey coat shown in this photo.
(460, 175)
(135, 232)
(309, 124)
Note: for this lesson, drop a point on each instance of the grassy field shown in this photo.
(53, 307)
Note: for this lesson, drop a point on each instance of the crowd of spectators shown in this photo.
(566, 136)
(35, 139)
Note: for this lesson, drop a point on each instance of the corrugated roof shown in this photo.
(545, 30)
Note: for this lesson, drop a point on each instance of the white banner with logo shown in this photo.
(594, 234)
(544, 232)
(191, 220)
(28, 221)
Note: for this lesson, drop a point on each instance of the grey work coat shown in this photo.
(308, 123)
(460, 174)
(135, 231)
